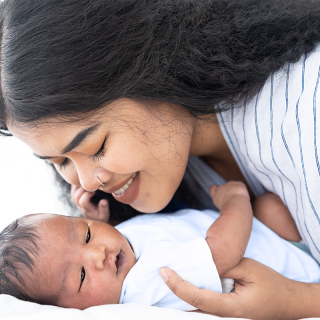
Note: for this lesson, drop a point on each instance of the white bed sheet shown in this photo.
(13, 309)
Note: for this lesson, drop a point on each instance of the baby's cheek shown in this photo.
(111, 293)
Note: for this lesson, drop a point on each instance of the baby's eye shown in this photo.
(83, 274)
(88, 235)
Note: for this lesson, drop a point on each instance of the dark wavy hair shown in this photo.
(18, 251)
(68, 58)
(64, 58)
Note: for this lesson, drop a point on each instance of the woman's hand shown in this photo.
(260, 293)
(81, 198)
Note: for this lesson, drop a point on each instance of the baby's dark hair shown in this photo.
(18, 253)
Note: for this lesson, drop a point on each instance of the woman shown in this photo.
(118, 95)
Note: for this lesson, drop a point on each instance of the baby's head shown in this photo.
(65, 261)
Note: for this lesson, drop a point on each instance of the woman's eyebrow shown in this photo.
(76, 141)
(80, 137)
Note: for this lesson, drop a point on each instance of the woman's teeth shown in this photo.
(126, 186)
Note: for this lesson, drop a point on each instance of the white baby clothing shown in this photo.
(177, 241)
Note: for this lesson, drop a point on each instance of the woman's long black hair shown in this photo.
(67, 58)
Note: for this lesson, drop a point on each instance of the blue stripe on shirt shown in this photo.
(258, 138)
(315, 121)
(287, 103)
(245, 141)
(301, 154)
(271, 141)
(285, 142)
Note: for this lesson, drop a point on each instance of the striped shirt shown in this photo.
(274, 140)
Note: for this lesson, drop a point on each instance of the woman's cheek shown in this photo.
(125, 159)
(69, 173)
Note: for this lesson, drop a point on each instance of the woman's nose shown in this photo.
(92, 178)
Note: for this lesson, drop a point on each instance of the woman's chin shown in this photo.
(149, 206)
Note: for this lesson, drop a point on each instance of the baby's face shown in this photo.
(82, 261)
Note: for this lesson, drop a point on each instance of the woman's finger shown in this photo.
(77, 195)
(203, 299)
(260, 293)
(100, 212)
(85, 204)
(104, 210)
(83, 197)
(74, 189)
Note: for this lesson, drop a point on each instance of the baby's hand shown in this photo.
(220, 195)
(89, 210)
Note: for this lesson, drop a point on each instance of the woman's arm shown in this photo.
(260, 293)
(270, 210)
(228, 236)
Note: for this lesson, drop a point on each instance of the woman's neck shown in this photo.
(209, 144)
(207, 140)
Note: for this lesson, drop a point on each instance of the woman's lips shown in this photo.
(126, 186)
(118, 186)
(131, 194)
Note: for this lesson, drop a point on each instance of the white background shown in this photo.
(26, 183)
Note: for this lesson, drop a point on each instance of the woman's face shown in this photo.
(139, 156)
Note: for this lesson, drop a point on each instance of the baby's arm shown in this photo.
(228, 236)
(270, 210)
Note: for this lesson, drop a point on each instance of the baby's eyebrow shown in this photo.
(71, 231)
(63, 287)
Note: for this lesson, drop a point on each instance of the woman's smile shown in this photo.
(130, 191)
(122, 189)
(126, 191)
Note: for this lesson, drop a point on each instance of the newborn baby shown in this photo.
(79, 263)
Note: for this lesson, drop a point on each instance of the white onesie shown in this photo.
(177, 241)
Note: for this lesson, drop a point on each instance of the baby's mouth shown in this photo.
(120, 260)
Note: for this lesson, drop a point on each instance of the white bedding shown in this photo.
(12, 309)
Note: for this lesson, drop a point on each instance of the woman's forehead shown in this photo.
(118, 111)
(52, 140)
(46, 130)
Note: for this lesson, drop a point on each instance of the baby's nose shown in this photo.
(98, 256)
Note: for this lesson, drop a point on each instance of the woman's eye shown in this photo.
(88, 235)
(63, 164)
(83, 274)
(101, 152)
